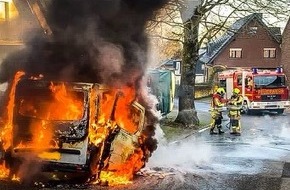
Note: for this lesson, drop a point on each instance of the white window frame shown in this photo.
(253, 30)
(236, 52)
(269, 53)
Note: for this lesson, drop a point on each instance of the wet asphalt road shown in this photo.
(258, 159)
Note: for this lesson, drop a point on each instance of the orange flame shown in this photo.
(99, 131)
(6, 134)
(4, 172)
(123, 174)
(123, 114)
(65, 106)
(63, 102)
(117, 173)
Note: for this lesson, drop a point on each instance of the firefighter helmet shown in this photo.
(236, 91)
(221, 91)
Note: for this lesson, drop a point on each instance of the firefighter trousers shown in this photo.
(235, 123)
(216, 120)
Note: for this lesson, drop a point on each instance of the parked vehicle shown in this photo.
(263, 90)
(161, 83)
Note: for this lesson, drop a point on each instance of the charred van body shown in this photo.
(70, 127)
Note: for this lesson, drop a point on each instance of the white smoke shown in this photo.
(196, 155)
(3, 86)
(182, 156)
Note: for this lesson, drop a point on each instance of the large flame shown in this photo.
(123, 173)
(61, 106)
(6, 134)
(114, 109)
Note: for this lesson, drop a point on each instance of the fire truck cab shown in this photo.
(263, 90)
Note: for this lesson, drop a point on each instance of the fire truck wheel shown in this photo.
(280, 111)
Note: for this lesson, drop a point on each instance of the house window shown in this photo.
(3, 10)
(269, 52)
(253, 30)
(235, 52)
(177, 68)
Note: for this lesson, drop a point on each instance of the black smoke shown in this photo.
(100, 41)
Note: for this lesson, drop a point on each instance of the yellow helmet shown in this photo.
(236, 91)
(221, 91)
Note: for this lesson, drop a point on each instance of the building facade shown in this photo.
(249, 42)
(285, 49)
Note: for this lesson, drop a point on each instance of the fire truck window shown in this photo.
(270, 81)
(239, 80)
(223, 83)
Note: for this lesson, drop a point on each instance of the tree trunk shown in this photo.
(187, 114)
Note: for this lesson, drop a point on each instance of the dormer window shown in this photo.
(235, 52)
(269, 52)
(253, 30)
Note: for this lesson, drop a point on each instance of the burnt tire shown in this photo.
(11, 163)
(93, 161)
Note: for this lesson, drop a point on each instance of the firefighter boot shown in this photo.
(212, 126)
(235, 127)
(234, 130)
(220, 130)
(239, 128)
(212, 132)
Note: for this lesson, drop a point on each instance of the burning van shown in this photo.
(73, 127)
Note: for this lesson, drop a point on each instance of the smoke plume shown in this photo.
(100, 41)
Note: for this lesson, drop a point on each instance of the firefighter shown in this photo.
(217, 105)
(235, 104)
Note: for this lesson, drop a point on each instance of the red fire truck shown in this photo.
(264, 90)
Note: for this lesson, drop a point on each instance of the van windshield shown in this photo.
(45, 104)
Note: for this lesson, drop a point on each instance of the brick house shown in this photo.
(249, 42)
(285, 49)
